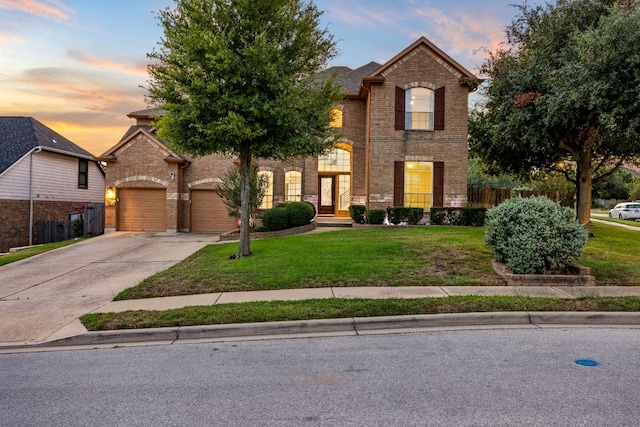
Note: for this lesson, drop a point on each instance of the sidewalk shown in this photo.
(403, 292)
(75, 335)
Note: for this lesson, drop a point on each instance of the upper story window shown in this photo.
(418, 109)
(336, 118)
(83, 173)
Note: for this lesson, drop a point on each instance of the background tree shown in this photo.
(237, 77)
(565, 88)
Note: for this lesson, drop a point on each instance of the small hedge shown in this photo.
(288, 215)
(467, 216)
(376, 216)
(399, 214)
(357, 213)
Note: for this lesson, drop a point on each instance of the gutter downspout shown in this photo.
(35, 150)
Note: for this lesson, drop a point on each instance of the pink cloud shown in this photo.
(463, 33)
(103, 63)
(42, 8)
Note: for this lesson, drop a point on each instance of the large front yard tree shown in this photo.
(237, 77)
(564, 93)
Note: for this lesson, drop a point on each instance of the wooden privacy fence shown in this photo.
(489, 197)
(56, 231)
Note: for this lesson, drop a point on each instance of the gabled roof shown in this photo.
(150, 133)
(466, 75)
(20, 135)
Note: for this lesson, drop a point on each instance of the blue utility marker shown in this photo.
(587, 362)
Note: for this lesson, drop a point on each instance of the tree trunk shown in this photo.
(244, 249)
(584, 179)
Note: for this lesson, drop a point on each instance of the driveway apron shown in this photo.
(42, 295)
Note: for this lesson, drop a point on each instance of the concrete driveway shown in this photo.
(41, 297)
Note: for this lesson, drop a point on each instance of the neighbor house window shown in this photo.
(293, 186)
(336, 118)
(83, 173)
(267, 200)
(418, 109)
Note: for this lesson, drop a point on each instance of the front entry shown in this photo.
(326, 202)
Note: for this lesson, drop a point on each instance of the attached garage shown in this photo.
(142, 209)
(208, 212)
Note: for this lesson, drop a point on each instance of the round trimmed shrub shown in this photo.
(534, 235)
(276, 219)
(300, 213)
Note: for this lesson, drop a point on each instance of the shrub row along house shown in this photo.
(43, 177)
(405, 144)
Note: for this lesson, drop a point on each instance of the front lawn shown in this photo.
(333, 308)
(393, 256)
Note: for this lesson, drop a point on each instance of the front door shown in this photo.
(326, 202)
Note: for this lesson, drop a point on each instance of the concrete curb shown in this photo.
(333, 327)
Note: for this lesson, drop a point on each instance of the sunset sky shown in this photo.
(78, 65)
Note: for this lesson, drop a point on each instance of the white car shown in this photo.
(627, 210)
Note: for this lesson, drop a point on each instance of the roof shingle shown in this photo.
(20, 135)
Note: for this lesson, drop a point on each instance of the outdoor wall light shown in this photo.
(110, 196)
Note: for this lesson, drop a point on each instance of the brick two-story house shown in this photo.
(405, 144)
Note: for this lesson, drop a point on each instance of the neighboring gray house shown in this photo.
(43, 176)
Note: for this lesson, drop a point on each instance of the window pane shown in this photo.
(267, 200)
(418, 184)
(344, 188)
(336, 118)
(83, 173)
(419, 105)
(336, 160)
(293, 186)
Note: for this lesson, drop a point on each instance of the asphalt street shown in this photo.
(511, 377)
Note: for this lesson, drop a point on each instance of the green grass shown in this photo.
(441, 256)
(33, 250)
(613, 255)
(365, 257)
(344, 308)
(357, 257)
(619, 221)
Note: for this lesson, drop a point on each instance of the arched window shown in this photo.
(267, 200)
(336, 118)
(419, 106)
(293, 186)
(336, 160)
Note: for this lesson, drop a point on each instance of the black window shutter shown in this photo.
(438, 184)
(398, 184)
(438, 114)
(399, 108)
